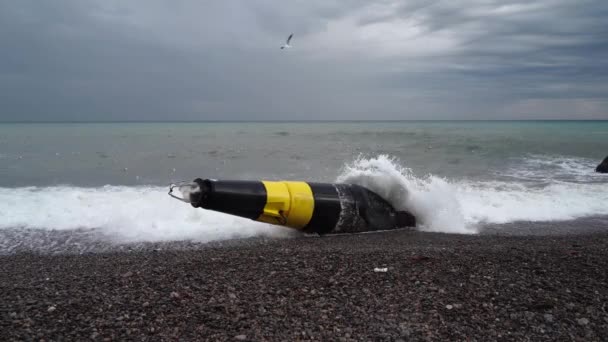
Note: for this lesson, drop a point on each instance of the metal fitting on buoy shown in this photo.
(320, 208)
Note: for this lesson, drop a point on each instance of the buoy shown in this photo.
(320, 208)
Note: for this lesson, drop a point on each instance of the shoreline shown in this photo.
(437, 287)
(87, 241)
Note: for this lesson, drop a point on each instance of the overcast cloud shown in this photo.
(90, 60)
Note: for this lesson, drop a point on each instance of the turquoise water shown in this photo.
(156, 153)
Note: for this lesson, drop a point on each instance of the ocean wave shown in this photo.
(448, 206)
(540, 167)
(121, 213)
(147, 214)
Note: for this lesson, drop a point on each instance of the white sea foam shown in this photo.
(129, 214)
(432, 200)
(537, 167)
(459, 207)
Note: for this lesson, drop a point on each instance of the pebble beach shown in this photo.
(386, 286)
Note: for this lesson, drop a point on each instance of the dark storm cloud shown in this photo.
(194, 60)
(510, 53)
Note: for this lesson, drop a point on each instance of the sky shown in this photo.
(138, 60)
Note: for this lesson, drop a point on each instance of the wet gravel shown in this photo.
(436, 287)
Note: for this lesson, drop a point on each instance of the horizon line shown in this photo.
(300, 121)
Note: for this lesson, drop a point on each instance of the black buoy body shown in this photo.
(320, 208)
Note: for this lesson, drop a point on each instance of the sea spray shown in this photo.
(432, 199)
(462, 206)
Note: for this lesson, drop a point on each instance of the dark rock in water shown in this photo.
(603, 167)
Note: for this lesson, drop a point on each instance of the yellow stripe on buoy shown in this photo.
(288, 203)
(302, 204)
(278, 203)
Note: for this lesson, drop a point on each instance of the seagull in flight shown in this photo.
(287, 46)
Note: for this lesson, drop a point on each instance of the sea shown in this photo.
(73, 187)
